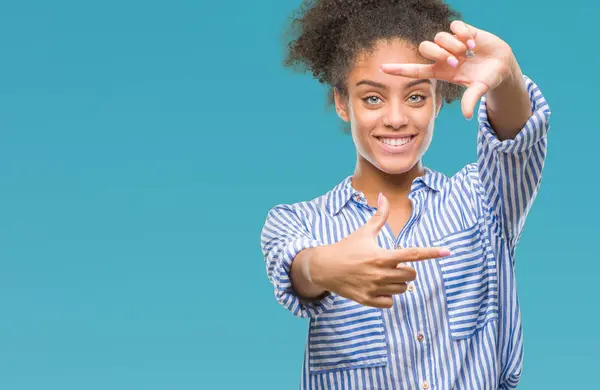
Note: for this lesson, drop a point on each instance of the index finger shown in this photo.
(406, 255)
(417, 71)
(463, 31)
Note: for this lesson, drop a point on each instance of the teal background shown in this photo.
(142, 144)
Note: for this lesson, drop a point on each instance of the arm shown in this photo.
(300, 274)
(286, 241)
(510, 162)
(513, 119)
(509, 105)
(355, 268)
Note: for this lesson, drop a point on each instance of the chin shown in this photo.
(395, 166)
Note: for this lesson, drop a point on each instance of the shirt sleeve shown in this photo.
(511, 170)
(283, 236)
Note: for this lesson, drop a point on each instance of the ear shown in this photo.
(341, 106)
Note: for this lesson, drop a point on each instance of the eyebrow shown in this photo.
(382, 86)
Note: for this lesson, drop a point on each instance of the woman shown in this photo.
(407, 275)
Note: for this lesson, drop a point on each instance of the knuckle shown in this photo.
(379, 276)
(414, 254)
(381, 303)
(371, 274)
(411, 274)
(378, 260)
(457, 25)
(408, 274)
(388, 303)
(444, 36)
(362, 299)
(371, 288)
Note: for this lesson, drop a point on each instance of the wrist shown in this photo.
(514, 76)
(508, 106)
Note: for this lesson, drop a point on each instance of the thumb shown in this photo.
(470, 98)
(378, 220)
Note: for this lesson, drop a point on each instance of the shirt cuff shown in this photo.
(534, 130)
(284, 292)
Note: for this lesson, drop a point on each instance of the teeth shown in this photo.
(395, 141)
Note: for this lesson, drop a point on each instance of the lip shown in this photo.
(394, 136)
(396, 149)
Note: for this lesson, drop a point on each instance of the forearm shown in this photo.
(508, 105)
(511, 170)
(300, 274)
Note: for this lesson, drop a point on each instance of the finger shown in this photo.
(381, 302)
(408, 273)
(417, 71)
(406, 255)
(379, 219)
(399, 274)
(436, 53)
(470, 98)
(472, 30)
(451, 44)
(464, 32)
(391, 289)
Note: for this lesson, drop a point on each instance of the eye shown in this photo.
(372, 99)
(417, 98)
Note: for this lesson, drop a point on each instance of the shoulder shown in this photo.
(463, 188)
(302, 208)
(465, 180)
(318, 207)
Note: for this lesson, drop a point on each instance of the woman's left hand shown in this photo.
(492, 64)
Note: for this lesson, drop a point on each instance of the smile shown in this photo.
(396, 145)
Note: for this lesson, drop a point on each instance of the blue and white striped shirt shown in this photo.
(458, 326)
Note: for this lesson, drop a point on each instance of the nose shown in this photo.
(395, 118)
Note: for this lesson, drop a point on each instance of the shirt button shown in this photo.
(425, 385)
(399, 246)
(420, 336)
(411, 287)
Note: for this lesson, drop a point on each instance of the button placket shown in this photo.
(420, 324)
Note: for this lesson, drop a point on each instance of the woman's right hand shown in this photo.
(357, 268)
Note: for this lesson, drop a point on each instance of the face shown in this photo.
(391, 117)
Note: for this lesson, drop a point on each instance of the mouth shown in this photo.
(396, 145)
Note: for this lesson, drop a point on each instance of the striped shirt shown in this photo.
(459, 325)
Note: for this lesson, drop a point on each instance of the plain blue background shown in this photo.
(142, 144)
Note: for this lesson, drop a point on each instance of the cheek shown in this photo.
(425, 120)
(364, 121)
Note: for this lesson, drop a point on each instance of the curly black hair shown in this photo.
(325, 36)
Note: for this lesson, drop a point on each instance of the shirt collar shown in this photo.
(337, 198)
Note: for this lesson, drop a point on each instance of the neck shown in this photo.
(371, 181)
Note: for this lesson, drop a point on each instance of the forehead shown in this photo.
(384, 51)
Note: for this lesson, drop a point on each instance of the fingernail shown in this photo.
(444, 252)
(471, 44)
(453, 62)
(379, 200)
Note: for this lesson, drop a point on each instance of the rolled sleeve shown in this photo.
(534, 131)
(511, 170)
(283, 236)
